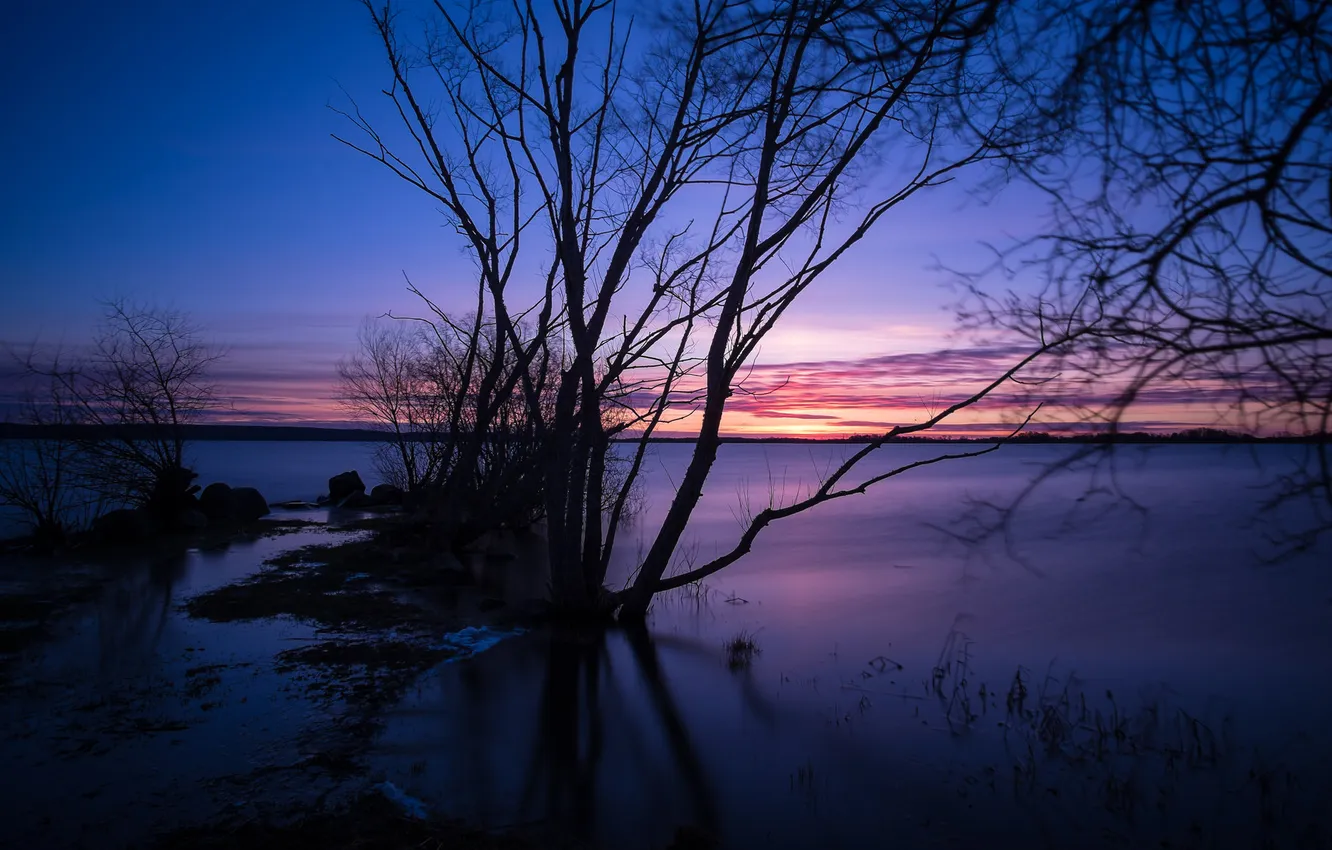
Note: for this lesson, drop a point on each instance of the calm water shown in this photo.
(136, 717)
(861, 719)
(1151, 596)
(283, 471)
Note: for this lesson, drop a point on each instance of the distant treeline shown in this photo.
(296, 433)
(1192, 435)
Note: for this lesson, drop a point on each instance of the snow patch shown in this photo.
(410, 805)
(473, 639)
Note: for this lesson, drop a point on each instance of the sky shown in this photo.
(180, 155)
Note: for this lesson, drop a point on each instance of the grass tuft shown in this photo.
(741, 650)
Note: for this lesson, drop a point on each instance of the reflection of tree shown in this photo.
(561, 781)
(144, 380)
(645, 653)
(135, 609)
(565, 760)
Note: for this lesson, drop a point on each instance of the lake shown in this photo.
(1145, 578)
(1124, 664)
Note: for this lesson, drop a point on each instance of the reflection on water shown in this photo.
(134, 610)
(539, 732)
(1175, 683)
(1168, 677)
(134, 716)
(135, 617)
(623, 739)
(561, 787)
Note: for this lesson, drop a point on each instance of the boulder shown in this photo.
(125, 525)
(247, 504)
(343, 484)
(215, 501)
(386, 494)
(191, 520)
(357, 501)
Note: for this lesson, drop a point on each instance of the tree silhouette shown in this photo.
(650, 195)
(143, 380)
(1186, 153)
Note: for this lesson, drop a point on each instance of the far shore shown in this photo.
(352, 434)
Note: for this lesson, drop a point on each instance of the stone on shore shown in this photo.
(344, 484)
(356, 501)
(215, 501)
(386, 494)
(247, 504)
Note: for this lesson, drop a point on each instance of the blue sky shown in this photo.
(180, 154)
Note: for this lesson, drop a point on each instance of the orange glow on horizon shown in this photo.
(829, 399)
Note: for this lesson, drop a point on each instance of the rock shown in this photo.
(215, 501)
(126, 525)
(356, 501)
(343, 484)
(247, 504)
(387, 494)
(191, 520)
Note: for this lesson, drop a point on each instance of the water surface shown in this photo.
(1147, 596)
(1153, 599)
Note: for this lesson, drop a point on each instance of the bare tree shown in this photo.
(1186, 151)
(144, 379)
(407, 378)
(388, 382)
(40, 465)
(650, 195)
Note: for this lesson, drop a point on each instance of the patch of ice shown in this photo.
(412, 806)
(473, 639)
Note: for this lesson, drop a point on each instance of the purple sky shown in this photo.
(180, 154)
